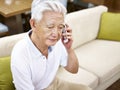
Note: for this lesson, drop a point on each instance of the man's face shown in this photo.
(50, 27)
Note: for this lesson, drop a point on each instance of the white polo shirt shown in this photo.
(33, 71)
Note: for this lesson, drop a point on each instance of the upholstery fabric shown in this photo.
(5, 74)
(8, 42)
(82, 77)
(100, 57)
(85, 24)
(110, 26)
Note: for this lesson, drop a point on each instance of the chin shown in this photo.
(52, 43)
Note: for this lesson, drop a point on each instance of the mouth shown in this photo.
(53, 40)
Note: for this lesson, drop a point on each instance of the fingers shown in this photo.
(68, 32)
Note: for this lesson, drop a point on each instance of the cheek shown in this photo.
(59, 35)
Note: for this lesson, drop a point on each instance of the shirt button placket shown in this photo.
(44, 58)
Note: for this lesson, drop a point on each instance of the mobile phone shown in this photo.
(65, 38)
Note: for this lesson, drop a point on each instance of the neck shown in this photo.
(39, 44)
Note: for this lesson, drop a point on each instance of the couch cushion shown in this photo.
(85, 24)
(100, 57)
(7, 43)
(82, 77)
(110, 26)
(5, 74)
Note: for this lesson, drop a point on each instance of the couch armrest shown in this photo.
(85, 24)
(7, 43)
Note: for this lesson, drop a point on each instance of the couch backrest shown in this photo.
(7, 43)
(85, 24)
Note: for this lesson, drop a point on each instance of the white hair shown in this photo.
(40, 6)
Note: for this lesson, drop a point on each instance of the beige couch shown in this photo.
(99, 60)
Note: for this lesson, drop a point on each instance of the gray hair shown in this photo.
(40, 6)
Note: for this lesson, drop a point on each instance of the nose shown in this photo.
(55, 31)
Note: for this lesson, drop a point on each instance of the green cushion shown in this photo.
(110, 26)
(5, 74)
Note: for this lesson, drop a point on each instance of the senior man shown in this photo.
(36, 58)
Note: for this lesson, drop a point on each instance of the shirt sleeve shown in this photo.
(64, 55)
(21, 73)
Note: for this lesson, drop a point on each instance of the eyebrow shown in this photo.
(54, 24)
(62, 24)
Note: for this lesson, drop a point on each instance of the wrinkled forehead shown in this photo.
(51, 17)
(52, 14)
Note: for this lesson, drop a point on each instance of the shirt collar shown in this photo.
(33, 47)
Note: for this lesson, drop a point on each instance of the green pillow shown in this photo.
(5, 74)
(110, 26)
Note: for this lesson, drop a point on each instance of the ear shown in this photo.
(32, 23)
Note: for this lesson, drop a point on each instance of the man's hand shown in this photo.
(67, 35)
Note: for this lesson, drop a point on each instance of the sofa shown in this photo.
(99, 56)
